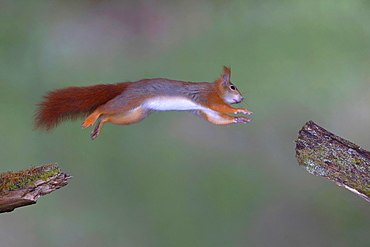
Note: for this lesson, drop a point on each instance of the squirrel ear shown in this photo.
(226, 75)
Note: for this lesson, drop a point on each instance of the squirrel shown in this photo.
(130, 102)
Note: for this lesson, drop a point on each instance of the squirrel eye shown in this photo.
(232, 87)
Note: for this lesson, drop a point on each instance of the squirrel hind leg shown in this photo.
(96, 131)
(124, 118)
(91, 119)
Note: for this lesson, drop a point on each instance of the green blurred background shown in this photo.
(174, 179)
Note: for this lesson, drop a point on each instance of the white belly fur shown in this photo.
(171, 104)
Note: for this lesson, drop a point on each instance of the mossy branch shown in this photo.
(324, 154)
(24, 187)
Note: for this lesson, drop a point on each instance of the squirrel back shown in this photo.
(74, 102)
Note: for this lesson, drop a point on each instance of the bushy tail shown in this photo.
(74, 102)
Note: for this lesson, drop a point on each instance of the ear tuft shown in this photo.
(227, 70)
(226, 75)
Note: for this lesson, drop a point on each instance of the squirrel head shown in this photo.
(228, 91)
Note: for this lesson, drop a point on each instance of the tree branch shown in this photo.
(24, 187)
(324, 154)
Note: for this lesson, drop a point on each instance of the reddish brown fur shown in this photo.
(74, 102)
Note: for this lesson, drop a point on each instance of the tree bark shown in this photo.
(324, 154)
(22, 188)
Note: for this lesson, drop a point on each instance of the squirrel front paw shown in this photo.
(242, 120)
(244, 111)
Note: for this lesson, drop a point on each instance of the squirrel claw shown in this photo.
(94, 134)
(244, 111)
(86, 124)
(242, 120)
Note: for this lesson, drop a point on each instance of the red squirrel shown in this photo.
(130, 102)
